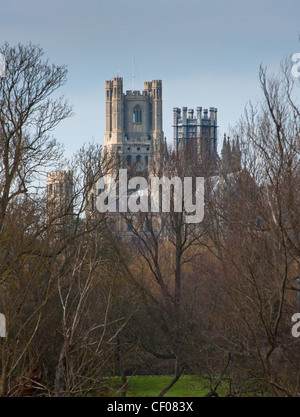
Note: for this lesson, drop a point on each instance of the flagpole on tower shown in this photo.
(133, 76)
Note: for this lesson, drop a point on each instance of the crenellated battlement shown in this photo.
(134, 121)
(199, 128)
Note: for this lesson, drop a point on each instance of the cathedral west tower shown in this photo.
(134, 122)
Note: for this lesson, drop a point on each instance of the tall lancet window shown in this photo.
(137, 115)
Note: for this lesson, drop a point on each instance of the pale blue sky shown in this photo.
(206, 53)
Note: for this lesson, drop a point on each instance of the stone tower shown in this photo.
(60, 197)
(134, 127)
(199, 132)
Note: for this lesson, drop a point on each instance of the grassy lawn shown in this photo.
(151, 386)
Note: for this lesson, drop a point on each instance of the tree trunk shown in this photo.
(59, 383)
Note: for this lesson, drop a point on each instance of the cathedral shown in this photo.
(134, 139)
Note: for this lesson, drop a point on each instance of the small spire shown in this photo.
(233, 149)
(224, 148)
(165, 146)
(228, 145)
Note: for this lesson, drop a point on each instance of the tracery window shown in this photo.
(137, 115)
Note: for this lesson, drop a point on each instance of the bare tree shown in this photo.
(162, 245)
(256, 233)
(28, 114)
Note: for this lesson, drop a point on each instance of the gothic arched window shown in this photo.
(137, 115)
(128, 157)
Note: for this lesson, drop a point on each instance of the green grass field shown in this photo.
(151, 386)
